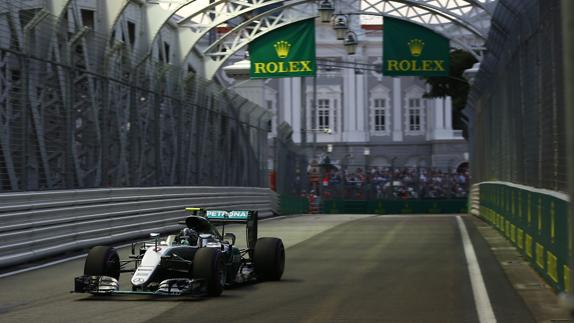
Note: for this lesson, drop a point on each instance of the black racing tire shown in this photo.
(208, 265)
(102, 261)
(269, 259)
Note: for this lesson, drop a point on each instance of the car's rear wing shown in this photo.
(223, 217)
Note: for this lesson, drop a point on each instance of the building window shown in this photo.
(379, 114)
(379, 111)
(414, 114)
(166, 48)
(88, 18)
(132, 33)
(323, 113)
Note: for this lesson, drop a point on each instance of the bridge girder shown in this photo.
(428, 13)
(237, 38)
(210, 17)
(216, 54)
(458, 20)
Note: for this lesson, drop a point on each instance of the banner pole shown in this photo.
(315, 126)
(303, 115)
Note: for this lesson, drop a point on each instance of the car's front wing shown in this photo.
(104, 285)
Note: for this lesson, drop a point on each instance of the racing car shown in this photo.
(199, 260)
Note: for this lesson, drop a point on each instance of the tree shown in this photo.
(454, 86)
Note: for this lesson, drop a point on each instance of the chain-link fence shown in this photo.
(290, 172)
(80, 109)
(517, 101)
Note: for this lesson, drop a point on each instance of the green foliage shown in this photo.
(453, 85)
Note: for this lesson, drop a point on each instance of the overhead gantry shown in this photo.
(465, 22)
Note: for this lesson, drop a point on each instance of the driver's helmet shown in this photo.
(188, 237)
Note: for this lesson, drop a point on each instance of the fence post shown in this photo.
(568, 53)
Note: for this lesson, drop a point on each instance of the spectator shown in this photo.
(395, 183)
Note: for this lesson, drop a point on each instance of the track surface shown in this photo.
(340, 268)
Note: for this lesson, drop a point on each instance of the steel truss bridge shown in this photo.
(128, 93)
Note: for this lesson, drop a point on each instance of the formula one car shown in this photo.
(197, 261)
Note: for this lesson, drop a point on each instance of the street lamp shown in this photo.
(351, 43)
(341, 26)
(326, 9)
(239, 70)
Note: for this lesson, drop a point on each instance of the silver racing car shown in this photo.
(199, 260)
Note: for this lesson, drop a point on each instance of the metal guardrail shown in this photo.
(35, 225)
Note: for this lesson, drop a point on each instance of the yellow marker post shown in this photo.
(529, 209)
(539, 213)
(520, 204)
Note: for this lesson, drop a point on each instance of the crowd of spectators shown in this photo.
(394, 183)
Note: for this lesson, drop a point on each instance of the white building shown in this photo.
(374, 120)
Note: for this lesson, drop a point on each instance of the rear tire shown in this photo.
(269, 259)
(208, 265)
(102, 261)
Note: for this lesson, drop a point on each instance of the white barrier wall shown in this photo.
(36, 225)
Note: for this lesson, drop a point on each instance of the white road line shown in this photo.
(481, 300)
(273, 218)
(419, 215)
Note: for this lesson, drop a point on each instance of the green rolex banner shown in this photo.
(286, 52)
(413, 50)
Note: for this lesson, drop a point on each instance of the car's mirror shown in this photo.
(230, 238)
(156, 237)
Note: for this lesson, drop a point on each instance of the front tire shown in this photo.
(208, 265)
(102, 261)
(269, 259)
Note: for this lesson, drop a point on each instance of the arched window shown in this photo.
(328, 108)
(380, 111)
(414, 112)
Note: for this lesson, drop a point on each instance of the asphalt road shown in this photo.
(340, 268)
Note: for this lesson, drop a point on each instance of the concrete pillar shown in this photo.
(296, 108)
(289, 107)
(349, 105)
(429, 106)
(361, 94)
(448, 113)
(397, 110)
(439, 113)
(285, 101)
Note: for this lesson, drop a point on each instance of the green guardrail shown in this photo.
(293, 205)
(536, 223)
(430, 206)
